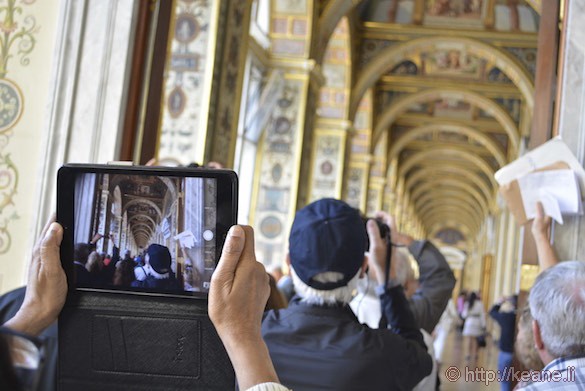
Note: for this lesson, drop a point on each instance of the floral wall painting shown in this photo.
(17, 41)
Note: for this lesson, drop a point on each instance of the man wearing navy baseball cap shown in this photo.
(317, 342)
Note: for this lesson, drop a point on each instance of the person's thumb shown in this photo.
(230, 255)
(50, 256)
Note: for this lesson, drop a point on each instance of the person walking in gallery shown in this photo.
(474, 317)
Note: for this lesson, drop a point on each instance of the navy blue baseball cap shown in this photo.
(327, 236)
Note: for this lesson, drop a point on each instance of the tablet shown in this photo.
(144, 230)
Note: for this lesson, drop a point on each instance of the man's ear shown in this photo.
(538, 343)
(364, 267)
(287, 259)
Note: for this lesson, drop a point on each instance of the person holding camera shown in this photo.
(317, 342)
(428, 295)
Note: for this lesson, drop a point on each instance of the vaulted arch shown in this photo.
(442, 153)
(461, 186)
(436, 200)
(402, 104)
(447, 213)
(393, 55)
(143, 201)
(474, 134)
(448, 172)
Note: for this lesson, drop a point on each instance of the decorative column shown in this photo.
(377, 180)
(284, 151)
(332, 124)
(358, 168)
(204, 75)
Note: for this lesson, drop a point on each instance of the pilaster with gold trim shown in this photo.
(283, 160)
(203, 81)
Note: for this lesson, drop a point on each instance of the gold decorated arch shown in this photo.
(449, 172)
(443, 153)
(393, 55)
(441, 183)
(402, 104)
(473, 134)
(443, 215)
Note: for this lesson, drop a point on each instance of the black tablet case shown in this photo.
(122, 341)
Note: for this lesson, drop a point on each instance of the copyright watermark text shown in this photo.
(487, 376)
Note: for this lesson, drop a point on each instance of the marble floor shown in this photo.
(455, 365)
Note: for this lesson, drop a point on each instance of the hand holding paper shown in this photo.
(541, 223)
(549, 174)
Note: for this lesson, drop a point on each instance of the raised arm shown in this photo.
(541, 232)
(393, 302)
(237, 297)
(436, 283)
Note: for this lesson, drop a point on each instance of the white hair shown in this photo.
(557, 303)
(314, 296)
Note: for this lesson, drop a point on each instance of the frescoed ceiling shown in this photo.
(453, 86)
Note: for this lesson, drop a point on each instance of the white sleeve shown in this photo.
(268, 387)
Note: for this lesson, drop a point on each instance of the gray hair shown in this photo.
(314, 296)
(557, 303)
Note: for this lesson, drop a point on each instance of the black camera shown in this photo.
(383, 227)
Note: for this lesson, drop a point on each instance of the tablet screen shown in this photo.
(149, 233)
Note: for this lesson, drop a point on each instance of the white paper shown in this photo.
(186, 239)
(558, 190)
(551, 152)
(551, 206)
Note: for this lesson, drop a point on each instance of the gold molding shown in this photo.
(404, 32)
(416, 83)
(485, 125)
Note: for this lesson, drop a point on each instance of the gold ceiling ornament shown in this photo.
(474, 134)
(402, 104)
(393, 55)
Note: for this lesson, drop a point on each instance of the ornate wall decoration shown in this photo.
(16, 42)
(185, 85)
(277, 171)
(527, 57)
(229, 91)
(325, 166)
(355, 186)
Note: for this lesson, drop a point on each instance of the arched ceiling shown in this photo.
(143, 202)
(451, 89)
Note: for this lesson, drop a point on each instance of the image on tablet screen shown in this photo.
(144, 233)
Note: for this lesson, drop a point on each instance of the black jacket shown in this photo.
(507, 322)
(326, 348)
